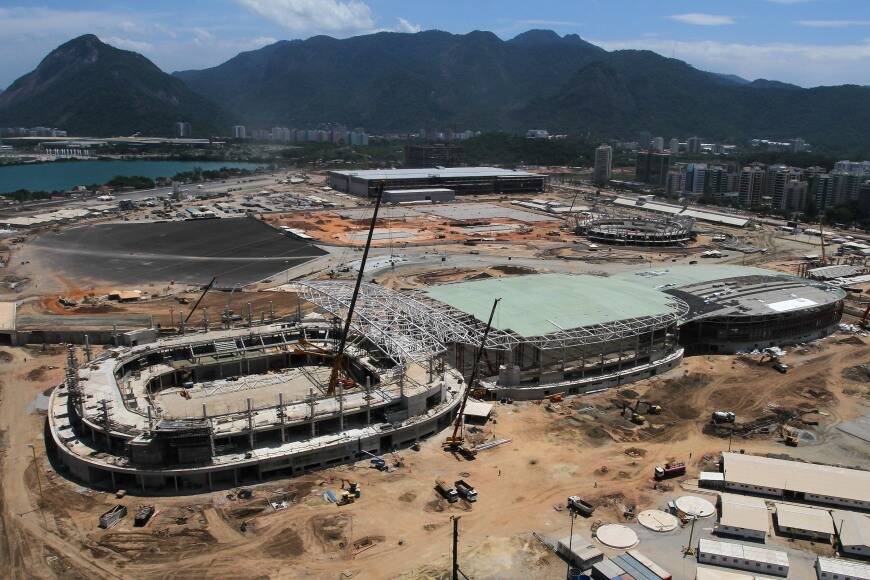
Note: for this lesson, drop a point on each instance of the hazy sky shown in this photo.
(806, 42)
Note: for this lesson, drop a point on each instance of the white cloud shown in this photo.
(548, 23)
(833, 23)
(310, 17)
(405, 26)
(128, 44)
(801, 64)
(699, 19)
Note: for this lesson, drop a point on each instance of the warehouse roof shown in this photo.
(852, 528)
(541, 304)
(846, 568)
(852, 484)
(443, 172)
(744, 512)
(739, 551)
(799, 517)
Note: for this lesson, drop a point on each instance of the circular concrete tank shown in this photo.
(616, 536)
(657, 520)
(692, 505)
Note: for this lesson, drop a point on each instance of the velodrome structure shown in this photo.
(223, 407)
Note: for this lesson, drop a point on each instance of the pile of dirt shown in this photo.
(859, 373)
(285, 543)
(629, 393)
(408, 496)
(38, 374)
(514, 270)
(5, 357)
(331, 531)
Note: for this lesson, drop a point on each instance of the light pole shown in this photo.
(573, 515)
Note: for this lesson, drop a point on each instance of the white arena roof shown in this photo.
(434, 172)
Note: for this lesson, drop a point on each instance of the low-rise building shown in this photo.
(841, 569)
(742, 516)
(751, 558)
(804, 522)
(823, 484)
(853, 532)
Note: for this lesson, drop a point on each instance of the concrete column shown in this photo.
(368, 400)
(114, 485)
(250, 424)
(210, 430)
(281, 416)
(87, 348)
(210, 485)
(175, 481)
(583, 361)
(250, 315)
(271, 310)
(312, 402)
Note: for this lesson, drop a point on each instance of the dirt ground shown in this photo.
(399, 528)
(165, 303)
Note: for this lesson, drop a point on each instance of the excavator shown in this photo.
(454, 443)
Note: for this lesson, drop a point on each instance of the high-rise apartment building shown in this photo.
(603, 164)
(750, 186)
(674, 147)
(652, 167)
(693, 145)
(658, 144)
(239, 132)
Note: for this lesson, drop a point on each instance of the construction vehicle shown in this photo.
(651, 408)
(352, 487)
(790, 436)
(454, 442)
(670, 469)
(864, 319)
(578, 505)
(377, 462)
(345, 498)
(631, 413)
(720, 417)
(780, 367)
(446, 491)
(465, 490)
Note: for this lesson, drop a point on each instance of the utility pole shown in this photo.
(455, 570)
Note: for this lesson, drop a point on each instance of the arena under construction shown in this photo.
(637, 230)
(218, 408)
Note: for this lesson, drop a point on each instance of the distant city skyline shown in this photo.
(805, 42)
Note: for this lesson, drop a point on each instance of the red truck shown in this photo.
(670, 469)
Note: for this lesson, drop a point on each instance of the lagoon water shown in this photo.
(66, 175)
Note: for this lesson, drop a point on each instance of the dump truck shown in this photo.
(446, 491)
(580, 506)
(466, 490)
(670, 469)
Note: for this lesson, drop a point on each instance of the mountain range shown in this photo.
(432, 79)
(90, 88)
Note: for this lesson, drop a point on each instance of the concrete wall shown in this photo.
(756, 535)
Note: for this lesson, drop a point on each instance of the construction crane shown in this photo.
(201, 296)
(338, 362)
(454, 442)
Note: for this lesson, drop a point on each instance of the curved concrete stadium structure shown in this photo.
(220, 408)
(638, 231)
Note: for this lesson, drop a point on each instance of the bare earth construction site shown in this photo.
(218, 413)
